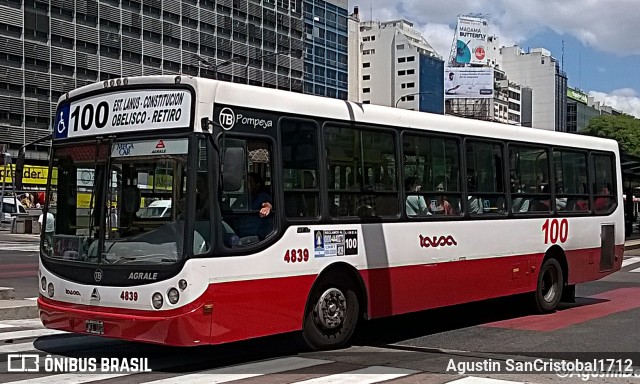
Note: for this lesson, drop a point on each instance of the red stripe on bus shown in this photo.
(594, 307)
(254, 308)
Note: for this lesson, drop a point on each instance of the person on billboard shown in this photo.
(450, 85)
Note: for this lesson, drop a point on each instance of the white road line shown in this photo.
(244, 371)
(635, 270)
(27, 323)
(482, 380)
(629, 261)
(3, 326)
(369, 375)
(71, 378)
(28, 334)
(30, 298)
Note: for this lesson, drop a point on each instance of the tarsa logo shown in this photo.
(72, 292)
(426, 242)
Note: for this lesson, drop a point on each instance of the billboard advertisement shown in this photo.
(465, 83)
(471, 40)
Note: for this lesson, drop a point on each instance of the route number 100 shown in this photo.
(555, 231)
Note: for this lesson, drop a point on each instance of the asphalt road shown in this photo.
(19, 264)
(604, 323)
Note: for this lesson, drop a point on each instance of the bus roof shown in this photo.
(209, 91)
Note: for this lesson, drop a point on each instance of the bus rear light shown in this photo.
(178, 79)
(156, 300)
(43, 283)
(125, 81)
(50, 291)
(173, 295)
(112, 83)
(182, 284)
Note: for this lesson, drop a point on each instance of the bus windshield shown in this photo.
(140, 198)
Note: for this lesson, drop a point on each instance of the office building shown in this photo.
(395, 67)
(541, 72)
(48, 48)
(325, 48)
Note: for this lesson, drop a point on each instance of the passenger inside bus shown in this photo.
(440, 205)
(415, 205)
(259, 225)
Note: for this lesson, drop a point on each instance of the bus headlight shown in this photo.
(173, 295)
(43, 283)
(182, 284)
(156, 300)
(50, 289)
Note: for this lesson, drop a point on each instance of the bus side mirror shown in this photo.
(19, 169)
(233, 167)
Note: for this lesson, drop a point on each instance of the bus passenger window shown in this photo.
(570, 171)
(300, 167)
(529, 170)
(603, 186)
(485, 183)
(361, 171)
(432, 176)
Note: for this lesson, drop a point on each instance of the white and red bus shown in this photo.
(292, 212)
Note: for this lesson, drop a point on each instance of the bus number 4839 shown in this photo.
(555, 231)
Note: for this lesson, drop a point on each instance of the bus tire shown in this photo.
(549, 288)
(331, 316)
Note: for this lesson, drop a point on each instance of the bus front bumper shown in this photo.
(187, 326)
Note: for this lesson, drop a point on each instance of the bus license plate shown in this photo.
(95, 327)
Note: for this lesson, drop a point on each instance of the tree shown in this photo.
(625, 129)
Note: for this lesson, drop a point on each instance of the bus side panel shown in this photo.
(398, 290)
(584, 264)
(259, 307)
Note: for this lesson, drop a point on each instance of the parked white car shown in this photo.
(11, 207)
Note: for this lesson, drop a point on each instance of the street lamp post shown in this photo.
(414, 94)
(215, 67)
(269, 54)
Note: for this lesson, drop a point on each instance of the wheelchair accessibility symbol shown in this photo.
(62, 122)
(61, 125)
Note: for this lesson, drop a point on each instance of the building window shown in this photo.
(400, 47)
(401, 73)
(410, 58)
(366, 102)
(366, 38)
(373, 38)
(410, 71)
(410, 98)
(366, 65)
(411, 85)
(366, 77)
(366, 90)
(401, 59)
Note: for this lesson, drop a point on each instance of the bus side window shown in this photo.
(299, 168)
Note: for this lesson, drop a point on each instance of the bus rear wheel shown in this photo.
(331, 316)
(549, 288)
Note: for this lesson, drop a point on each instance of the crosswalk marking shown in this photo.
(244, 371)
(481, 380)
(70, 378)
(369, 375)
(18, 246)
(28, 334)
(629, 261)
(635, 270)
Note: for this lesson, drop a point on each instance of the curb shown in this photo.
(18, 309)
(631, 247)
(7, 293)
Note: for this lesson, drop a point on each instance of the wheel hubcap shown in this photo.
(550, 284)
(331, 308)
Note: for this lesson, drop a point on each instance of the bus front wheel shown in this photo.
(549, 288)
(331, 316)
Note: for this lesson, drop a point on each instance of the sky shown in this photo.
(601, 37)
